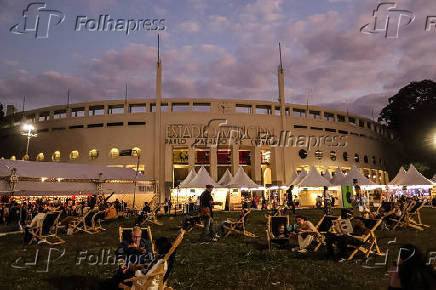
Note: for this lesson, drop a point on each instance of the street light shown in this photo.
(27, 131)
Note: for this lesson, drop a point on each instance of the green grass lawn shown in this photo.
(234, 262)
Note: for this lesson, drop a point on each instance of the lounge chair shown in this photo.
(47, 229)
(323, 226)
(369, 244)
(239, 226)
(272, 232)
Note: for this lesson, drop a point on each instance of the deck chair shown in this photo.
(48, 229)
(152, 217)
(369, 244)
(272, 232)
(144, 282)
(239, 226)
(323, 226)
(404, 220)
(86, 223)
(414, 214)
(125, 234)
(279, 211)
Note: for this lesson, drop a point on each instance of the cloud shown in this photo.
(190, 26)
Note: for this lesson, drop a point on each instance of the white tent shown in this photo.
(328, 175)
(300, 177)
(226, 178)
(241, 180)
(399, 176)
(413, 177)
(292, 179)
(434, 178)
(355, 174)
(191, 175)
(201, 180)
(339, 177)
(313, 179)
(51, 170)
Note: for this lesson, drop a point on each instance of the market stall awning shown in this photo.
(355, 175)
(226, 178)
(414, 178)
(201, 180)
(241, 180)
(313, 179)
(191, 175)
(328, 175)
(292, 179)
(300, 177)
(338, 178)
(400, 175)
(32, 169)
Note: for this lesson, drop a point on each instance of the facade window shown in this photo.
(96, 110)
(277, 111)
(114, 153)
(43, 116)
(266, 157)
(341, 118)
(332, 155)
(373, 160)
(352, 120)
(329, 117)
(115, 109)
(361, 124)
(287, 112)
(244, 157)
(365, 159)
(224, 156)
(93, 154)
(201, 107)
(315, 115)
(302, 153)
(137, 108)
(263, 110)
(300, 113)
(74, 155)
(356, 157)
(56, 157)
(180, 107)
(136, 152)
(78, 112)
(26, 157)
(345, 156)
(202, 157)
(61, 114)
(318, 154)
(40, 157)
(180, 156)
(242, 108)
(13, 157)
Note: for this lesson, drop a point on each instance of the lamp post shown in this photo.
(27, 131)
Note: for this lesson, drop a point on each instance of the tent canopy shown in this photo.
(32, 169)
(355, 174)
(400, 175)
(413, 177)
(226, 178)
(293, 177)
(300, 177)
(339, 177)
(328, 175)
(241, 180)
(191, 175)
(201, 180)
(314, 179)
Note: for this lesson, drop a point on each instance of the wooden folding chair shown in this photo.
(369, 244)
(144, 282)
(48, 229)
(414, 216)
(239, 226)
(125, 234)
(404, 220)
(323, 226)
(272, 232)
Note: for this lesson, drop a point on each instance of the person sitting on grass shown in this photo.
(222, 228)
(163, 246)
(342, 239)
(305, 233)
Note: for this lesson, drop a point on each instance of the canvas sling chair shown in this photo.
(125, 234)
(87, 222)
(151, 217)
(144, 282)
(96, 221)
(414, 216)
(239, 226)
(272, 232)
(369, 244)
(279, 211)
(323, 226)
(48, 229)
(387, 206)
(409, 216)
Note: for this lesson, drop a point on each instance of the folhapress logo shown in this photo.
(37, 19)
(389, 20)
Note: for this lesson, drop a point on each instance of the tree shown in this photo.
(412, 114)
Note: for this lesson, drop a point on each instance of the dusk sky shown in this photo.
(218, 49)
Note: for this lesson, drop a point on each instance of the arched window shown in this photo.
(13, 157)
(56, 157)
(114, 153)
(136, 151)
(74, 155)
(93, 154)
(356, 157)
(40, 157)
(345, 156)
(302, 153)
(365, 159)
(332, 155)
(373, 160)
(26, 157)
(318, 154)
